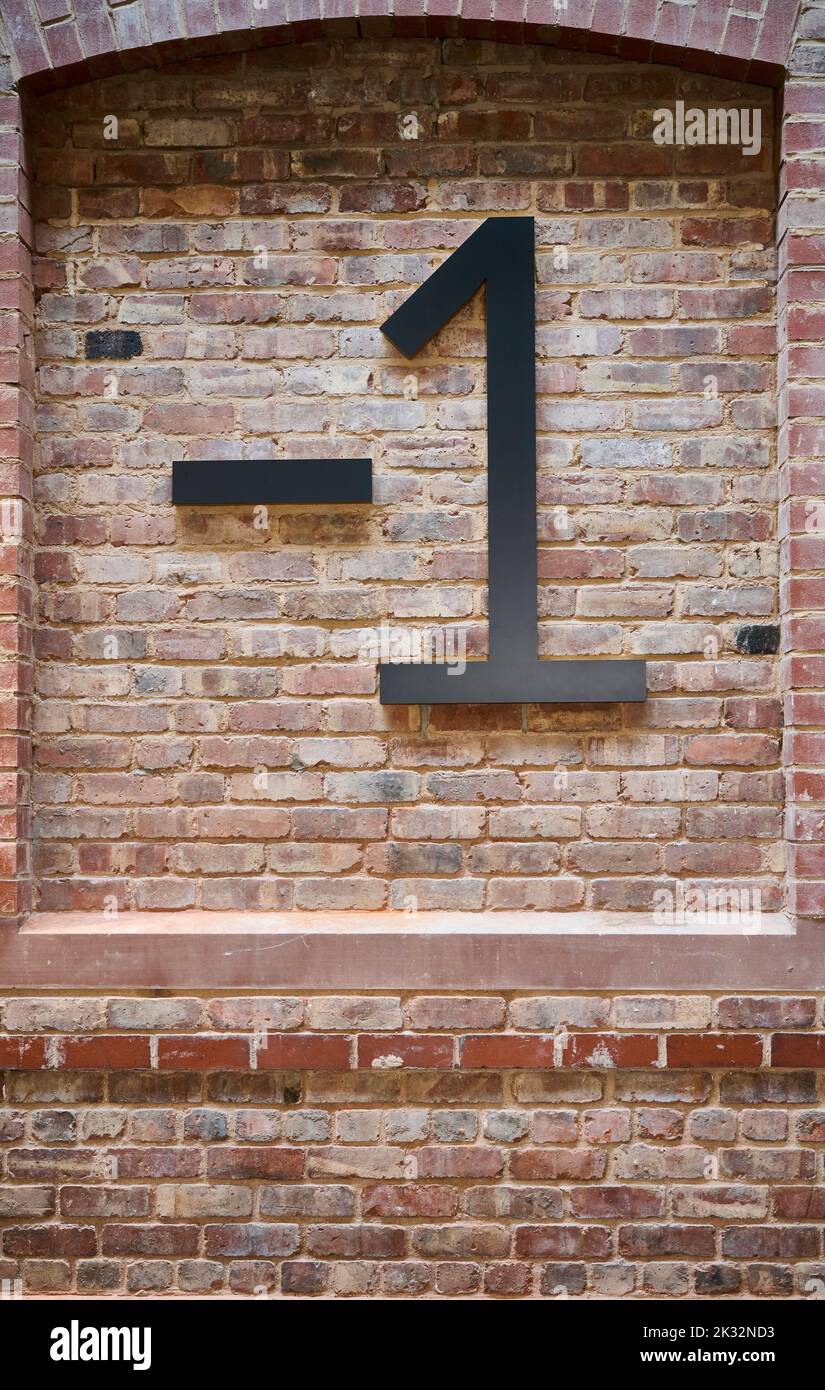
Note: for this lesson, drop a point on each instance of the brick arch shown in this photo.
(53, 42)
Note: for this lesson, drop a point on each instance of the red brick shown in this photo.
(203, 1053)
(505, 1050)
(798, 1050)
(409, 1050)
(260, 1162)
(149, 1240)
(611, 1050)
(459, 1161)
(22, 1052)
(799, 1203)
(607, 1202)
(112, 1052)
(552, 1165)
(409, 1200)
(326, 1051)
(156, 1163)
(714, 1050)
(563, 1242)
(44, 1241)
(654, 1242)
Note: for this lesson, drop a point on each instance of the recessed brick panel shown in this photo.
(208, 726)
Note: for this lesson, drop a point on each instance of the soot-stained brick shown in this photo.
(116, 343)
(758, 640)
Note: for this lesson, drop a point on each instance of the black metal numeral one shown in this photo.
(501, 255)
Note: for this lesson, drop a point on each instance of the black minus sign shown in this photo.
(240, 482)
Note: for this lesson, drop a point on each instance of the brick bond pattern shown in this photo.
(699, 1168)
(414, 1145)
(251, 223)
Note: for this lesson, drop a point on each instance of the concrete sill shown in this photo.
(260, 951)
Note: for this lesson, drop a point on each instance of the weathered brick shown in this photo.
(19, 1201)
(238, 654)
(551, 1013)
(650, 1241)
(351, 1013)
(440, 1012)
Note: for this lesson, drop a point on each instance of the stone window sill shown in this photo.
(433, 950)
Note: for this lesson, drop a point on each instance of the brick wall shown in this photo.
(414, 1145)
(207, 733)
(491, 1145)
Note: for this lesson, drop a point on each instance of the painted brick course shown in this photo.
(208, 732)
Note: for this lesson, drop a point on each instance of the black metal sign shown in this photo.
(501, 256)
